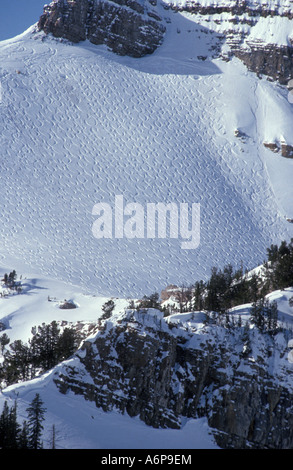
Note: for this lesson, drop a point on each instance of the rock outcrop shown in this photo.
(286, 150)
(251, 28)
(259, 33)
(127, 27)
(273, 60)
(281, 148)
(161, 369)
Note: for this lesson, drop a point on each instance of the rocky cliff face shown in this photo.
(273, 60)
(259, 33)
(161, 369)
(127, 27)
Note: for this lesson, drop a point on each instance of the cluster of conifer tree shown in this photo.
(27, 436)
(264, 315)
(9, 279)
(225, 289)
(10, 282)
(47, 347)
(150, 301)
(280, 265)
(228, 288)
(107, 309)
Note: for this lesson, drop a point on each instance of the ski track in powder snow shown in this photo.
(80, 125)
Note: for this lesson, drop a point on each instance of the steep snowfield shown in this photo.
(80, 125)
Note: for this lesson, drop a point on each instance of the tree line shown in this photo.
(229, 287)
(264, 315)
(47, 347)
(27, 436)
(280, 266)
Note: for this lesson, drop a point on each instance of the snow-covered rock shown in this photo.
(127, 27)
(259, 33)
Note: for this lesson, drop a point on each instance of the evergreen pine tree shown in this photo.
(198, 296)
(253, 288)
(12, 277)
(23, 437)
(272, 324)
(44, 346)
(4, 340)
(9, 427)
(36, 413)
(53, 437)
(264, 315)
(67, 344)
(16, 362)
(4, 424)
(257, 314)
(107, 308)
(14, 428)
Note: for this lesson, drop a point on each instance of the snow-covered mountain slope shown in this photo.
(80, 424)
(80, 125)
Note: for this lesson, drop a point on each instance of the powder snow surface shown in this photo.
(80, 125)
